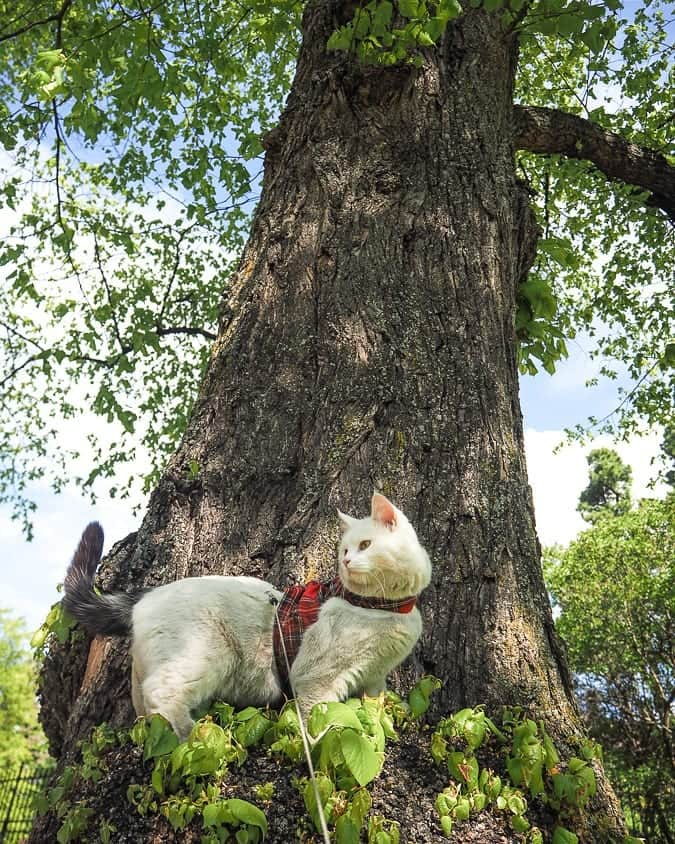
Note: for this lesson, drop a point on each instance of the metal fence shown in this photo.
(17, 792)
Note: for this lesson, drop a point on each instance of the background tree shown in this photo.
(372, 330)
(609, 482)
(614, 586)
(668, 449)
(21, 738)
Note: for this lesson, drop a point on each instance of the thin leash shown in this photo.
(303, 733)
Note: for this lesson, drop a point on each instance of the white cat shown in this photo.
(211, 637)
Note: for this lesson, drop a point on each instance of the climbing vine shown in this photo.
(185, 780)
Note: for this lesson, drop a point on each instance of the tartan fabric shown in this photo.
(299, 609)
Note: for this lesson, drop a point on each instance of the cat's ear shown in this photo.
(347, 521)
(383, 511)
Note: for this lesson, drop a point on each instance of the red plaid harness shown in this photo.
(299, 609)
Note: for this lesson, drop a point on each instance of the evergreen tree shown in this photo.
(608, 490)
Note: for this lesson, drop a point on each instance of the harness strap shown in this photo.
(299, 608)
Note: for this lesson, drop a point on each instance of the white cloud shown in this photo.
(558, 478)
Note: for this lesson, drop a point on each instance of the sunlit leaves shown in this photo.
(614, 588)
(133, 135)
(385, 33)
(21, 739)
(132, 138)
(615, 284)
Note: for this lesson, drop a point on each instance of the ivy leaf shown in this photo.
(160, 739)
(364, 762)
(333, 714)
(245, 812)
(564, 836)
(346, 831)
(408, 8)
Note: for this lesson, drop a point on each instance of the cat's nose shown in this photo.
(346, 562)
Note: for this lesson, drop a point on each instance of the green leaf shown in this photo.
(439, 747)
(462, 810)
(247, 713)
(332, 714)
(326, 788)
(408, 8)
(346, 831)
(361, 23)
(213, 814)
(564, 836)
(207, 748)
(449, 9)
(364, 762)
(418, 703)
(478, 801)
(359, 806)
(245, 812)
(157, 779)
(464, 768)
(570, 24)
(341, 39)
(381, 17)
(252, 730)
(160, 739)
(519, 823)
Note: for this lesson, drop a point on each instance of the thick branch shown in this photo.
(186, 329)
(548, 130)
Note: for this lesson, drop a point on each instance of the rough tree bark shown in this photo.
(367, 341)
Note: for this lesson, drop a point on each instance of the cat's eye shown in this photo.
(364, 544)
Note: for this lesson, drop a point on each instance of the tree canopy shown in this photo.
(21, 739)
(609, 482)
(614, 587)
(132, 139)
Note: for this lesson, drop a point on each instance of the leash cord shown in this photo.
(303, 733)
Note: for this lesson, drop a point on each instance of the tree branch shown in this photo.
(18, 368)
(548, 130)
(56, 17)
(186, 329)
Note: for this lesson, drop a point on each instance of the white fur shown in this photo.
(203, 638)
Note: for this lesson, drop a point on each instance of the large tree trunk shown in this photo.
(367, 342)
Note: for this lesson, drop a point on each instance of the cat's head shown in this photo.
(380, 556)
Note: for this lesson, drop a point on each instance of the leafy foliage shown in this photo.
(608, 490)
(533, 765)
(668, 450)
(385, 33)
(132, 143)
(610, 273)
(21, 738)
(614, 586)
(132, 138)
(348, 746)
(58, 624)
(186, 778)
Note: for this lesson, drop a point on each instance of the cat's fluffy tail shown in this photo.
(99, 613)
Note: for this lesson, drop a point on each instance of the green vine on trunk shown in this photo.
(185, 780)
(533, 767)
